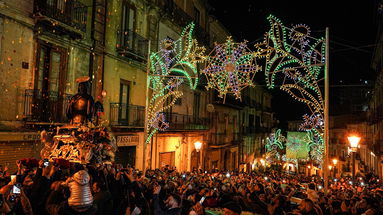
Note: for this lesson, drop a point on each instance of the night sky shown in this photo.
(352, 26)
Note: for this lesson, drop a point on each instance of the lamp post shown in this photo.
(198, 146)
(334, 161)
(354, 141)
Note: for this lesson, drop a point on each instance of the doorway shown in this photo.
(126, 155)
(167, 158)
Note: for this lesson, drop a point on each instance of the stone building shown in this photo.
(375, 111)
(46, 45)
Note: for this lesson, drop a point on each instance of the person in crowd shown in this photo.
(172, 203)
(56, 189)
(102, 198)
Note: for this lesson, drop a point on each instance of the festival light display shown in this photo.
(230, 68)
(295, 60)
(175, 62)
(274, 144)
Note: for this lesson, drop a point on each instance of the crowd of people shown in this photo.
(50, 188)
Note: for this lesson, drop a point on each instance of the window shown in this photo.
(127, 25)
(251, 120)
(50, 79)
(178, 101)
(124, 101)
(196, 105)
(128, 15)
(197, 16)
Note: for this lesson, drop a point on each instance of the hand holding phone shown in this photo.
(46, 162)
(202, 199)
(16, 189)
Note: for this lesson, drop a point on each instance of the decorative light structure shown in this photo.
(175, 62)
(297, 59)
(230, 68)
(274, 143)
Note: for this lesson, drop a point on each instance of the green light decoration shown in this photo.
(298, 145)
(296, 60)
(274, 145)
(175, 62)
(316, 147)
(230, 68)
(275, 141)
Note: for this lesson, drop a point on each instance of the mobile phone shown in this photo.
(136, 210)
(46, 162)
(13, 177)
(202, 199)
(16, 189)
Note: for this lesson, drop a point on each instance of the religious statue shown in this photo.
(80, 108)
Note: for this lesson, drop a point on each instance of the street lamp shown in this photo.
(198, 146)
(334, 161)
(308, 170)
(354, 141)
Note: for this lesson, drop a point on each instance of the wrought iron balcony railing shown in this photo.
(69, 12)
(182, 18)
(229, 101)
(222, 139)
(186, 122)
(127, 115)
(45, 106)
(251, 131)
(131, 43)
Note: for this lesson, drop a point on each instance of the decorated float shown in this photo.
(83, 140)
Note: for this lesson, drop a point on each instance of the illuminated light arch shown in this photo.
(296, 61)
(175, 62)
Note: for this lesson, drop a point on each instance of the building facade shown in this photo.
(375, 111)
(46, 45)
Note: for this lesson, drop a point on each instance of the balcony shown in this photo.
(124, 115)
(67, 16)
(131, 44)
(186, 122)
(181, 18)
(230, 101)
(45, 107)
(219, 139)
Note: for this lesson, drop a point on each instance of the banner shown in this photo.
(297, 145)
